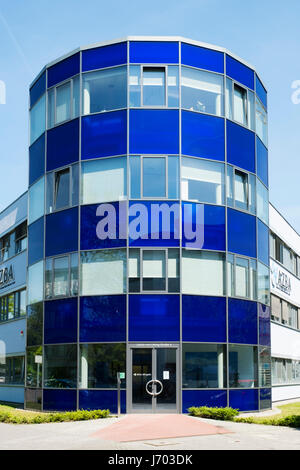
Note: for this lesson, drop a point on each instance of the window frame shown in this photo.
(231, 264)
(234, 170)
(72, 108)
(52, 193)
(52, 259)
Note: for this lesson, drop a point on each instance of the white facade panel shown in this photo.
(285, 342)
(285, 392)
(284, 230)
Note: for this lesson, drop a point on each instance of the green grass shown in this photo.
(9, 414)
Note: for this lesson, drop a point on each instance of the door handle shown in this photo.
(154, 394)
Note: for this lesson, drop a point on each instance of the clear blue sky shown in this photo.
(265, 33)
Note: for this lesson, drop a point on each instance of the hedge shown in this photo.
(80, 415)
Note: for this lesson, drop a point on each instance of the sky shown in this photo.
(265, 33)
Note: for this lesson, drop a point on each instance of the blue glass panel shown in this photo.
(241, 233)
(63, 70)
(154, 318)
(153, 52)
(63, 145)
(105, 56)
(60, 321)
(244, 400)
(62, 232)
(262, 161)
(211, 398)
(240, 146)
(242, 321)
(264, 313)
(203, 136)
(265, 395)
(262, 242)
(34, 334)
(37, 159)
(104, 135)
(211, 235)
(239, 72)
(202, 58)
(36, 241)
(89, 220)
(203, 319)
(154, 131)
(38, 89)
(101, 400)
(59, 400)
(103, 318)
(149, 219)
(261, 92)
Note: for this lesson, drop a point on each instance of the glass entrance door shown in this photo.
(154, 376)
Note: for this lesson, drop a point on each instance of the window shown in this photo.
(241, 277)
(240, 104)
(204, 365)
(285, 371)
(35, 283)
(61, 277)
(203, 273)
(13, 306)
(38, 119)
(242, 366)
(202, 91)
(154, 86)
(104, 90)
(100, 363)
(293, 316)
(7, 246)
(103, 272)
(275, 308)
(262, 202)
(21, 238)
(63, 102)
(154, 177)
(272, 245)
(62, 189)
(241, 192)
(157, 269)
(36, 200)
(60, 366)
(264, 367)
(263, 284)
(261, 122)
(12, 370)
(104, 180)
(202, 181)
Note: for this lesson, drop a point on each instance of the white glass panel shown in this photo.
(241, 277)
(36, 200)
(202, 273)
(230, 275)
(251, 110)
(38, 119)
(134, 263)
(61, 277)
(104, 180)
(263, 281)
(228, 92)
(261, 122)
(103, 272)
(154, 264)
(35, 283)
(63, 103)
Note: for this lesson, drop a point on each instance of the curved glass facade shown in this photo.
(149, 189)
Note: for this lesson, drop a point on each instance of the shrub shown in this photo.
(80, 415)
(223, 414)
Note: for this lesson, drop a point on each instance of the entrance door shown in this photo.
(154, 377)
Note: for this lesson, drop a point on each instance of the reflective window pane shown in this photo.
(203, 273)
(38, 119)
(63, 103)
(263, 281)
(36, 200)
(242, 366)
(135, 86)
(62, 189)
(240, 104)
(173, 86)
(262, 202)
(35, 283)
(61, 277)
(261, 122)
(154, 270)
(60, 366)
(154, 86)
(203, 366)
(135, 177)
(154, 177)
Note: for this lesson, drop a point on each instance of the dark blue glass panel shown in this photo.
(142, 221)
(59, 400)
(38, 89)
(105, 56)
(62, 232)
(240, 146)
(203, 319)
(63, 70)
(153, 52)
(241, 233)
(154, 131)
(60, 321)
(211, 235)
(202, 58)
(244, 400)
(242, 321)
(264, 325)
(104, 135)
(36, 241)
(103, 318)
(34, 334)
(265, 395)
(63, 145)
(239, 72)
(261, 92)
(262, 161)
(37, 159)
(89, 220)
(262, 242)
(211, 398)
(154, 318)
(203, 136)
(101, 400)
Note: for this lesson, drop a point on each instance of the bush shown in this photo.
(291, 421)
(80, 415)
(223, 414)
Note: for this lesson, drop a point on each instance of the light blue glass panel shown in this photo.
(173, 177)
(154, 177)
(262, 202)
(263, 281)
(38, 119)
(261, 122)
(135, 177)
(173, 86)
(36, 200)
(154, 86)
(35, 284)
(135, 86)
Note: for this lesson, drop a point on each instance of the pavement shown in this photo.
(107, 434)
